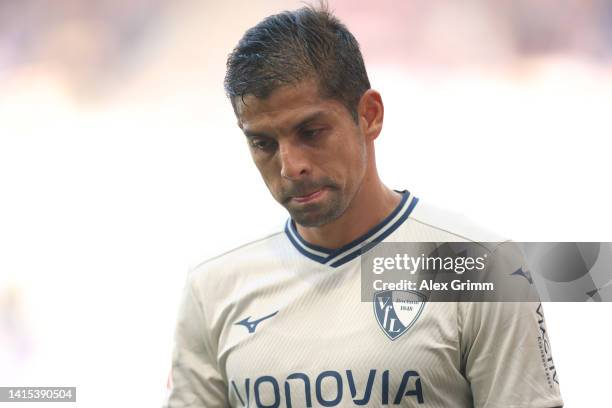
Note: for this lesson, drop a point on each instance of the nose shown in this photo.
(293, 160)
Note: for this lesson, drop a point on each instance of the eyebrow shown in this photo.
(302, 124)
(309, 119)
(249, 133)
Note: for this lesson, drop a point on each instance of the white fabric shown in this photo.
(325, 347)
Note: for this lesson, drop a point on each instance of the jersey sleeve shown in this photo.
(506, 353)
(195, 377)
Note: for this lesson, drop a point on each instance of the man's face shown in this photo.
(309, 151)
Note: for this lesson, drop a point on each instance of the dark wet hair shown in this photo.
(293, 46)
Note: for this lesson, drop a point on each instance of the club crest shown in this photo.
(397, 310)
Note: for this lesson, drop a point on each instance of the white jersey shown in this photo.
(280, 323)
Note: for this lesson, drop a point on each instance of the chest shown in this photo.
(317, 343)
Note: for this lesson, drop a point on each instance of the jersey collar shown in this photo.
(342, 255)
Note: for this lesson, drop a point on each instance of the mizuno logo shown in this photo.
(525, 274)
(251, 326)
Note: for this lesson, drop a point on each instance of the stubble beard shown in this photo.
(317, 215)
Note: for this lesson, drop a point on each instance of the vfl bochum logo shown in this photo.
(397, 310)
(251, 326)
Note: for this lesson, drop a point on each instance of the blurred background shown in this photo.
(121, 166)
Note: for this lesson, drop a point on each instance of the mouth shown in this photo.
(309, 197)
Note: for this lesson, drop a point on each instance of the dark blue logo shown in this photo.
(328, 389)
(397, 310)
(525, 274)
(251, 326)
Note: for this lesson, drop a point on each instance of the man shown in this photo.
(279, 322)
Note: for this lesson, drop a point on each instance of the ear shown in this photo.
(371, 112)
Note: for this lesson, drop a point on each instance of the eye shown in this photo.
(262, 143)
(311, 133)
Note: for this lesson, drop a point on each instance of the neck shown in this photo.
(371, 204)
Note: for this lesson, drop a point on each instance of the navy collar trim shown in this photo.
(344, 254)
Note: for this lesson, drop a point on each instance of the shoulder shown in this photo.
(505, 265)
(434, 224)
(431, 223)
(241, 258)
